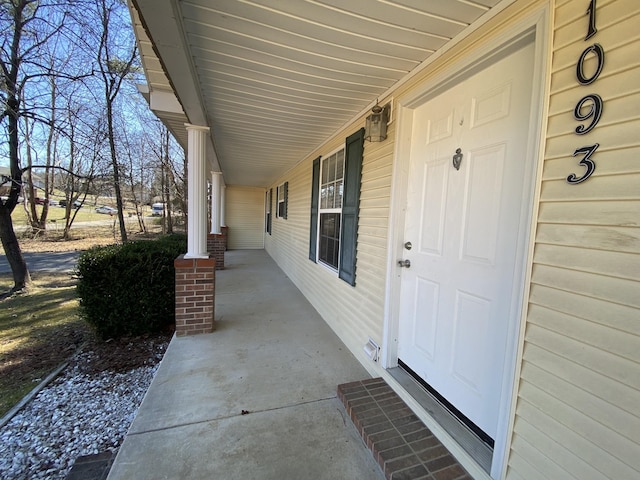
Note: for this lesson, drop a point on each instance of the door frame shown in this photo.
(532, 27)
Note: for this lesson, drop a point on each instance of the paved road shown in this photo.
(53, 261)
(44, 262)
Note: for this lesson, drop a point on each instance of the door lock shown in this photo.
(404, 263)
(408, 245)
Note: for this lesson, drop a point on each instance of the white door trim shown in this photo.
(536, 24)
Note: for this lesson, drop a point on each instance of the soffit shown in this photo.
(274, 80)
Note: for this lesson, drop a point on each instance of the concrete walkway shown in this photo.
(256, 399)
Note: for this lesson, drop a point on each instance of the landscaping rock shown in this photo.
(85, 411)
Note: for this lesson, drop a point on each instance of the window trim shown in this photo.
(269, 196)
(333, 210)
(315, 199)
(284, 188)
(352, 185)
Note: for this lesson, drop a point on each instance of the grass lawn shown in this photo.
(39, 330)
(56, 215)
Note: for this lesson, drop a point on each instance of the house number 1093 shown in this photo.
(589, 107)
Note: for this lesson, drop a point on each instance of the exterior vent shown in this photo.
(371, 349)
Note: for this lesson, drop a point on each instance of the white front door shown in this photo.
(460, 293)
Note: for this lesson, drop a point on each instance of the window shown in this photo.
(331, 189)
(268, 197)
(335, 198)
(282, 193)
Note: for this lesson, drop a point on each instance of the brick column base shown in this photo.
(225, 232)
(216, 248)
(195, 295)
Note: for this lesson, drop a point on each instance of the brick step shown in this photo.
(401, 444)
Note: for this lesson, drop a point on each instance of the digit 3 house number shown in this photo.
(589, 107)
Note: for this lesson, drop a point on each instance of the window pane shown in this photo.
(340, 164)
(330, 195)
(338, 195)
(329, 238)
(325, 163)
(331, 175)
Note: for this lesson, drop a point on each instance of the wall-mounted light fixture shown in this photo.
(375, 129)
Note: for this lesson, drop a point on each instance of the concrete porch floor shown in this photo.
(256, 398)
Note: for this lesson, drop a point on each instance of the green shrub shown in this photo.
(129, 289)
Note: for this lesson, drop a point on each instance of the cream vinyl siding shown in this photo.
(354, 313)
(578, 410)
(245, 215)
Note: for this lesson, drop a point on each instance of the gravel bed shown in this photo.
(83, 411)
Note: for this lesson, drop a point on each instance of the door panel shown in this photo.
(457, 296)
(481, 211)
(434, 205)
(424, 333)
(472, 315)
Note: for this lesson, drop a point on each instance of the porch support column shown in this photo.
(216, 194)
(223, 224)
(197, 192)
(216, 239)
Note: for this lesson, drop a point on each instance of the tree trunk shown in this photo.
(21, 277)
(116, 171)
(34, 219)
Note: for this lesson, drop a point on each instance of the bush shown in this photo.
(129, 289)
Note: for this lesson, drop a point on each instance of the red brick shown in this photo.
(411, 473)
(453, 472)
(195, 295)
(376, 380)
(433, 453)
(440, 463)
(398, 458)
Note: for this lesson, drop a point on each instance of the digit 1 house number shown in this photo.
(589, 107)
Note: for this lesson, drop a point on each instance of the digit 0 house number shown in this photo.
(589, 107)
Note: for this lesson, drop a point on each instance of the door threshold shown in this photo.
(465, 437)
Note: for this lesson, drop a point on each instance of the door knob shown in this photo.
(404, 263)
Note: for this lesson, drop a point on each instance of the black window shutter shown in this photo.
(286, 199)
(315, 190)
(270, 211)
(354, 150)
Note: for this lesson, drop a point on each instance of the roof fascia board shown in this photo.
(163, 22)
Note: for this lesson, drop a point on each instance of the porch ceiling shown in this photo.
(275, 79)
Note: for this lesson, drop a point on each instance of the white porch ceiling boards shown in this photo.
(275, 78)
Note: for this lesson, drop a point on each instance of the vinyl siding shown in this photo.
(354, 313)
(245, 215)
(578, 409)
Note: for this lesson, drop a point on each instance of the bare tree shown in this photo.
(24, 31)
(116, 63)
(132, 145)
(167, 184)
(85, 144)
(165, 181)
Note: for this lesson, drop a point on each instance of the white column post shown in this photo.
(215, 202)
(223, 192)
(197, 191)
